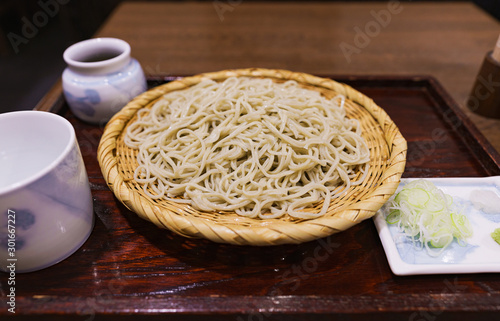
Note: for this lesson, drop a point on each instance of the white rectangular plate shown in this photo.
(480, 255)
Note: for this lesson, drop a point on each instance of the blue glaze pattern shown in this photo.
(84, 104)
(53, 215)
(24, 218)
(66, 181)
(97, 97)
(414, 253)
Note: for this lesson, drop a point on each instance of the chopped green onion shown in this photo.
(496, 235)
(393, 217)
(428, 216)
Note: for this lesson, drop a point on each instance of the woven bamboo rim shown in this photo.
(387, 162)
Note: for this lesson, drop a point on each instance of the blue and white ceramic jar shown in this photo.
(101, 78)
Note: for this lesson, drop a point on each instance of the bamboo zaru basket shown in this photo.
(387, 162)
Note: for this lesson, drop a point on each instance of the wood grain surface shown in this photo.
(129, 268)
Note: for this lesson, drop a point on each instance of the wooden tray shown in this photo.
(130, 268)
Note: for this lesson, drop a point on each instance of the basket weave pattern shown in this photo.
(387, 162)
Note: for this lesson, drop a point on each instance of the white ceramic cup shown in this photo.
(46, 210)
(101, 78)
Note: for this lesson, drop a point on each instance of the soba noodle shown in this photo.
(248, 145)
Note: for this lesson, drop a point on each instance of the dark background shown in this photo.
(28, 70)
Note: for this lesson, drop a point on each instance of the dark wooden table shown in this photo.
(129, 269)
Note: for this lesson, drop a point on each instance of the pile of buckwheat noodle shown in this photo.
(250, 146)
